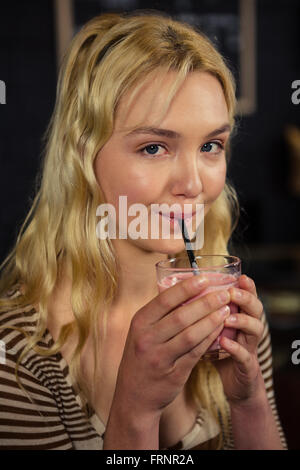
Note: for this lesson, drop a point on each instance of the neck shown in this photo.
(136, 287)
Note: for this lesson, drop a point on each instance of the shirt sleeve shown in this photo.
(266, 365)
(29, 417)
(264, 354)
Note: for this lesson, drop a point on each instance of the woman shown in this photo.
(95, 358)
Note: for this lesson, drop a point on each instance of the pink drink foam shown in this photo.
(219, 281)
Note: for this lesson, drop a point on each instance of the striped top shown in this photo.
(54, 418)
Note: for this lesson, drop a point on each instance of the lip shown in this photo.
(178, 216)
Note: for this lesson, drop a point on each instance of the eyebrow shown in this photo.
(175, 135)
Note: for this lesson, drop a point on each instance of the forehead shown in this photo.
(148, 103)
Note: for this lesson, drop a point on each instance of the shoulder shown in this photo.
(37, 397)
(27, 406)
(16, 326)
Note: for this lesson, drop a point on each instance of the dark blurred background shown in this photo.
(261, 40)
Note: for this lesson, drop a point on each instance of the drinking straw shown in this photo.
(187, 243)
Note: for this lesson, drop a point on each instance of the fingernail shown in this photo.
(224, 296)
(237, 294)
(231, 319)
(199, 281)
(224, 311)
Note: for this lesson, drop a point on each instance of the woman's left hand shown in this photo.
(240, 373)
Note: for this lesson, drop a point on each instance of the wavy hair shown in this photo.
(111, 55)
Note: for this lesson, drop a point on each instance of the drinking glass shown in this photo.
(222, 271)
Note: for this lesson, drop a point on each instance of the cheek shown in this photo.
(215, 182)
(118, 178)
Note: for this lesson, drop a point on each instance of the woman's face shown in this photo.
(180, 160)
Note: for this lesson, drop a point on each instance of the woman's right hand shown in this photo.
(165, 341)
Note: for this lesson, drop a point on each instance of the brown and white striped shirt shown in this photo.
(55, 419)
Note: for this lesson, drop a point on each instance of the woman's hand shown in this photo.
(240, 373)
(165, 341)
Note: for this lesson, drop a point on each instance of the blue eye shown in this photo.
(209, 147)
(152, 149)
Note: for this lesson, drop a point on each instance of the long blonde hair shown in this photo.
(112, 54)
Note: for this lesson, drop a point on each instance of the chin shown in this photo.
(166, 247)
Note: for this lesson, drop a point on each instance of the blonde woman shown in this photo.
(95, 358)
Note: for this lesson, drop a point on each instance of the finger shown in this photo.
(248, 284)
(247, 324)
(189, 338)
(180, 293)
(248, 302)
(190, 359)
(174, 296)
(238, 354)
(186, 315)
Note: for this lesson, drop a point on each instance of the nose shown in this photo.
(186, 178)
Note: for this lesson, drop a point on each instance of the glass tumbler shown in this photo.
(222, 271)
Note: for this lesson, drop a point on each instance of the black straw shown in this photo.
(187, 243)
